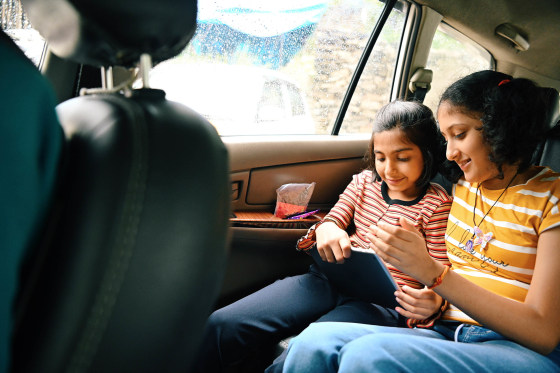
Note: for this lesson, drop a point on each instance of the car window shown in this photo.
(296, 104)
(451, 57)
(271, 105)
(309, 48)
(374, 87)
(15, 23)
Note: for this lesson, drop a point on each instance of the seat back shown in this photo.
(133, 257)
(550, 156)
(548, 153)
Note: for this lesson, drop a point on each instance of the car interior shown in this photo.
(148, 213)
(134, 221)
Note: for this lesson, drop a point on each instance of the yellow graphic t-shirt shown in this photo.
(504, 247)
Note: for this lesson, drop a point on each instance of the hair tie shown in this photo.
(505, 81)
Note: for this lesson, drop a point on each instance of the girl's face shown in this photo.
(465, 144)
(399, 163)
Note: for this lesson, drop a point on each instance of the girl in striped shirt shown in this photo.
(405, 153)
(502, 239)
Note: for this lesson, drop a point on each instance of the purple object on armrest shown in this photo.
(303, 215)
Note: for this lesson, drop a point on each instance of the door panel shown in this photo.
(326, 174)
(259, 165)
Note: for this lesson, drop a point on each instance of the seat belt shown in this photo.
(420, 84)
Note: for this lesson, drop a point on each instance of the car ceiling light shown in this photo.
(509, 33)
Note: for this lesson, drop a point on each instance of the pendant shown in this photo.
(469, 246)
(481, 238)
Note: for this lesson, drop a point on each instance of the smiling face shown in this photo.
(399, 163)
(466, 145)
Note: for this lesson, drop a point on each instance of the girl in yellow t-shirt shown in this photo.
(502, 238)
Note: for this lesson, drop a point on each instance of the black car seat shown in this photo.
(132, 257)
(548, 152)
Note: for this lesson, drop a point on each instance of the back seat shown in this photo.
(548, 153)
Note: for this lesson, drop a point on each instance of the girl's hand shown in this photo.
(417, 303)
(405, 248)
(333, 243)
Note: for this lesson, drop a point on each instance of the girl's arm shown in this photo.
(425, 306)
(534, 323)
(333, 242)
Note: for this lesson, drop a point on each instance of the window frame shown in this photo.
(345, 103)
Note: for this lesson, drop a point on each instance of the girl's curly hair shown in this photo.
(512, 112)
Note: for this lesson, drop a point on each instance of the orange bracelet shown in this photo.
(440, 277)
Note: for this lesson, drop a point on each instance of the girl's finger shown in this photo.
(394, 236)
(411, 315)
(408, 226)
(321, 253)
(346, 247)
(414, 309)
(402, 234)
(413, 303)
(327, 255)
(382, 248)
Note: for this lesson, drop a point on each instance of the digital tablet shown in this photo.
(363, 276)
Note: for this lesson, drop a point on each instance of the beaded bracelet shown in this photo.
(439, 279)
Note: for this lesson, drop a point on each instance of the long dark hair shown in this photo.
(512, 112)
(418, 125)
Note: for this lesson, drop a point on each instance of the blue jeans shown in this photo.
(242, 335)
(348, 347)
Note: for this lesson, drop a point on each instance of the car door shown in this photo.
(343, 103)
(328, 154)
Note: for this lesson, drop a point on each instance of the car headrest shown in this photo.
(552, 100)
(114, 32)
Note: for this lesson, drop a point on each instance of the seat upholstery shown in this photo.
(136, 256)
(548, 153)
(551, 149)
(135, 246)
(114, 33)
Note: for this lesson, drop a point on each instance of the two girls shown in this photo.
(502, 239)
(404, 154)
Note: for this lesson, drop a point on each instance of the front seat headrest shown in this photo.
(114, 32)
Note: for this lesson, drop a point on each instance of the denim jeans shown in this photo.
(243, 334)
(349, 347)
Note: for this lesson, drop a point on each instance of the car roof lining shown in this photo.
(536, 19)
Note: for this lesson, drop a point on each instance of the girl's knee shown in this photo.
(222, 325)
(317, 332)
(217, 319)
(306, 337)
(385, 352)
(314, 337)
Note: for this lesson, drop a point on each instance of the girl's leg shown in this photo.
(339, 347)
(250, 327)
(389, 352)
(317, 348)
(354, 311)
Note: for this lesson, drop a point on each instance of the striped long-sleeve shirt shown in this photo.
(366, 202)
(506, 262)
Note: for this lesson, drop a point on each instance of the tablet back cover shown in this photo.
(363, 276)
